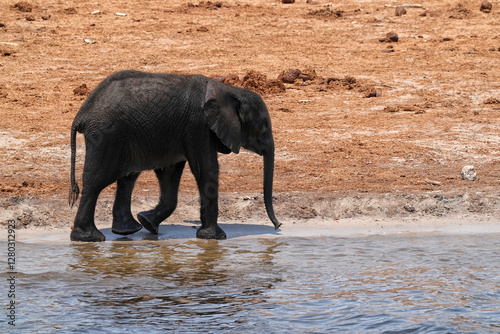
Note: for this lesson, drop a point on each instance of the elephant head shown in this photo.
(240, 118)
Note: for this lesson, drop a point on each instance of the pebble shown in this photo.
(289, 75)
(486, 6)
(469, 173)
(390, 37)
(400, 10)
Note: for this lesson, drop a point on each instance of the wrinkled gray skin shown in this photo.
(135, 121)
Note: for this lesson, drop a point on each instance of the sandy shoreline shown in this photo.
(302, 214)
(353, 227)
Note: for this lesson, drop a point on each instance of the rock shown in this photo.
(486, 6)
(289, 75)
(287, 1)
(24, 7)
(390, 37)
(409, 208)
(469, 173)
(400, 10)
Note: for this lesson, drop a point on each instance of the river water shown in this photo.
(405, 283)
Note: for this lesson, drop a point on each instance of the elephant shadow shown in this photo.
(186, 231)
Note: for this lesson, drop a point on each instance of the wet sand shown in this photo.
(252, 228)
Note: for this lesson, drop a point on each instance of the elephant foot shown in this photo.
(125, 226)
(77, 234)
(150, 221)
(213, 232)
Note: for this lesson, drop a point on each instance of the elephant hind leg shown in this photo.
(123, 221)
(84, 228)
(169, 179)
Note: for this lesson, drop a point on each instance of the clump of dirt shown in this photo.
(260, 84)
(82, 90)
(70, 11)
(492, 100)
(254, 81)
(202, 29)
(459, 12)
(347, 82)
(205, 4)
(24, 7)
(326, 12)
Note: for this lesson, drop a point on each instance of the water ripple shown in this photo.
(377, 284)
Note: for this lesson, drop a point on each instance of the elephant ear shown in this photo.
(221, 109)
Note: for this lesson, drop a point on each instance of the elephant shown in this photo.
(135, 121)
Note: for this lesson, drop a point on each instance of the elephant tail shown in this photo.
(74, 191)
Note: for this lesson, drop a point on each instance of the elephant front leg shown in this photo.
(206, 173)
(123, 221)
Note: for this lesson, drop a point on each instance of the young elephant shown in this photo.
(135, 121)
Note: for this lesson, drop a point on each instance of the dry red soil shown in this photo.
(365, 115)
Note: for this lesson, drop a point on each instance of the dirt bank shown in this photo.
(363, 125)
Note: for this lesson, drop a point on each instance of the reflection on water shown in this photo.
(406, 284)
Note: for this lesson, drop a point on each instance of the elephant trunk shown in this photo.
(268, 186)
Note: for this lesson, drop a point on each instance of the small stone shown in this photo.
(390, 37)
(409, 208)
(289, 75)
(400, 10)
(469, 173)
(486, 6)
